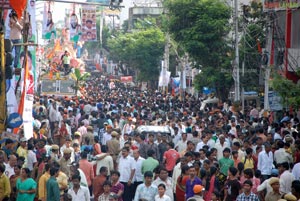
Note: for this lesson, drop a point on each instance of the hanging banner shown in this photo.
(74, 23)
(175, 83)
(88, 19)
(49, 31)
(126, 79)
(27, 116)
(164, 78)
(32, 37)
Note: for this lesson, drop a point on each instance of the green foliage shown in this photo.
(200, 28)
(80, 79)
(141, 50)
(287, 89)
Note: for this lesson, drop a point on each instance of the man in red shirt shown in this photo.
(170, 157)
(99, 181)
(88, 170)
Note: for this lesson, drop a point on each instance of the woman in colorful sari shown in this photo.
(181, 181)
(26, 186)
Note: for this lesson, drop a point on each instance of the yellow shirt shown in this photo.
(42, 186)
(22, 152)
(5, 189)
(249, 163)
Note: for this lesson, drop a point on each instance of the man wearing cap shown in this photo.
(275, 193)
(65, 161)
(266, 185)
(247, 194)
(54, 152)
(113, 147)
(198, 189)
(265, 161)
(22, 149)
(67, 145)
(290, 197)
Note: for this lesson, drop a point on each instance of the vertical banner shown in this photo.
(89, 32)
(27, 116)
(164, 78)
(49, 31)
(74, 24)
(32, 37)
(26, 101)
(175, 85)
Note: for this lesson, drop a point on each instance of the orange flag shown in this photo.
(19, 6)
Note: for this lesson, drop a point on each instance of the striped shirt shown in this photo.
(116, 188)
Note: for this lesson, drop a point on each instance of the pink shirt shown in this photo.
(88, 170)
(171, 157)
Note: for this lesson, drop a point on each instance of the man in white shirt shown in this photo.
(167, 181)
(181, 144)
(77, 192)
(220, 146)
(127, 171)
(31, 157)
(177, 135)
(105, 160)
(138, 175)
(265, 161)
(277, 135)
(280, 155)
(9, 167)
(177, 171)
(202, 143)
(296, 171)
(266, 185)
(286, 178)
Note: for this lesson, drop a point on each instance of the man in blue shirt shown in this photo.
(191, 182)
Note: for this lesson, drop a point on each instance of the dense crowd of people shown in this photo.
(86, 148)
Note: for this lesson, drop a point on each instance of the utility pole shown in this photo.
(236, 60)
(269, 49)
(166, 58)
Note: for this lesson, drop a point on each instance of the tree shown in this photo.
(79, 78)
(287, 89)
(200, 27)
(141, 50)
